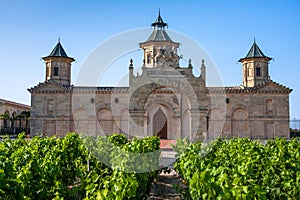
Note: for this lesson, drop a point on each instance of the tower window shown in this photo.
(55, 72)
(258, 71)
(148, 58)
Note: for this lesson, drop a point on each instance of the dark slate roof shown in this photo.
(58, 51)
(255, 52)
(158, 35)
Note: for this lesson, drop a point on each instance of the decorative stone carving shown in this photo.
(167, 56)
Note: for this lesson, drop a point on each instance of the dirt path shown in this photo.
(163, 187)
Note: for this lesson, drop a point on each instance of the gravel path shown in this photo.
(163, 187)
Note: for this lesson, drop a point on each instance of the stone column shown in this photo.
(195, 122)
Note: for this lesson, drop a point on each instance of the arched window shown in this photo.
(148, 58)
(55, 71)
(258, 71)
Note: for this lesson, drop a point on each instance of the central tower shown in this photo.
(159, 49)
(166, 99)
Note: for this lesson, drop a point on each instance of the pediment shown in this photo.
(272, 87)
(49, 86)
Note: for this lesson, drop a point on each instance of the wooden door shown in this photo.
(160, 125)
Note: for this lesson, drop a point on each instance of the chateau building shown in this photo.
(14, 117)
(166, 99)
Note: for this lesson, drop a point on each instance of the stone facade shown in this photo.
(165, 99)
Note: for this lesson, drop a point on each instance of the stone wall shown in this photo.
(255, 115)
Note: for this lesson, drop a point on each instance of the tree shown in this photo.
(5, 116)
(27, 117)
(20, 117)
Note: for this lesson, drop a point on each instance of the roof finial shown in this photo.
(190, 63)
(131, 63)
(159, 21)
(58, 39)
(254, 40)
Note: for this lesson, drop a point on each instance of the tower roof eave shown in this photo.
(250, 58)
(67, 58)
(142, 44)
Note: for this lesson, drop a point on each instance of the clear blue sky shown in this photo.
(29, 30)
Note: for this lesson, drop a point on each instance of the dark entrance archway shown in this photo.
(160, 125)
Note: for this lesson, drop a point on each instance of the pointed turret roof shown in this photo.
(58, 51)
(159, 34)
(255, 52)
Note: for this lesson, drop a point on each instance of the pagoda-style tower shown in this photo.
(58, 65)
(255, 67)
(159, 49)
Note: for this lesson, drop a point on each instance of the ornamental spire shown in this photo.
(159, 22)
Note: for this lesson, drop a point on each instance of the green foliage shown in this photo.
(4, 116)
(65, 168)
(118, 139)
(134, 165)
(240, 169)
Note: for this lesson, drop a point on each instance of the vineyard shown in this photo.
(240, 169)
(64, 168)
(113, 167)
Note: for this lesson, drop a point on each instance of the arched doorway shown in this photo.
(160, 125)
